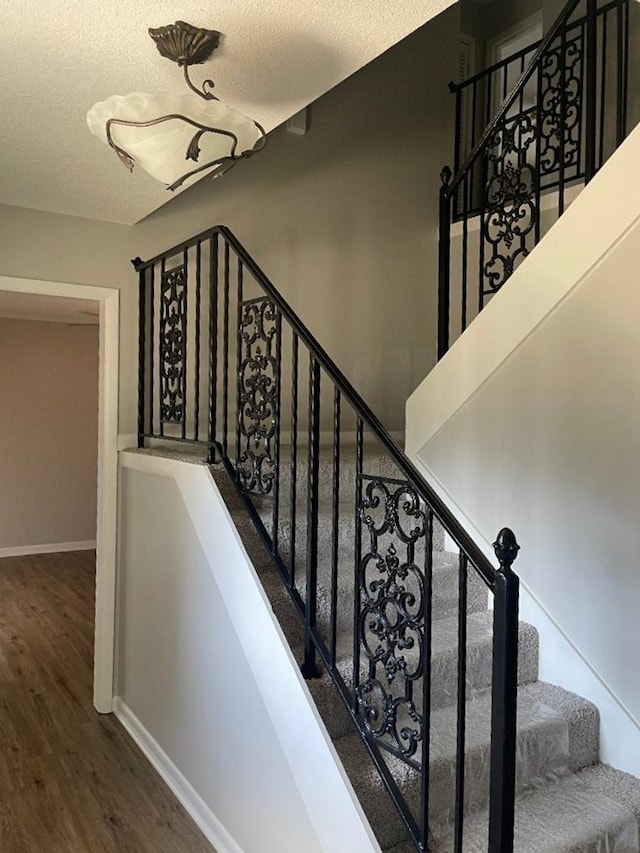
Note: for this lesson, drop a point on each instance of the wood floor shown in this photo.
(70, 779)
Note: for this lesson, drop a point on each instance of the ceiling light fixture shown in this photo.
(156, 131)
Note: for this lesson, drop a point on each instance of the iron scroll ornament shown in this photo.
(392, 615)
(510, 210)
(173, 318)
(560, 121)
(258, 401)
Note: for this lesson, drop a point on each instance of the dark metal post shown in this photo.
(591, 92)
(142, 318)
(213, 346)
(623, 71)
(444, 263)
(504, 696)
(309, 667)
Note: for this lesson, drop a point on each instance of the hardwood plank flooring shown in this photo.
(71, 780)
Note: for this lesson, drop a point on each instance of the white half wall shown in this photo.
(532, 421)
(206, 681)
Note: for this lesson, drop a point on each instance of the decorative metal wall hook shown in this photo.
(224, 134)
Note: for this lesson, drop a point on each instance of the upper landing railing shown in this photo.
(559, 110)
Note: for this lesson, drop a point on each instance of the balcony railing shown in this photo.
(524, 149)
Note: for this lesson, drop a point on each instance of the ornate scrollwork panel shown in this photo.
(258, 396)
(510, 210)
(392, 618)
(173, 319)
(560, 107)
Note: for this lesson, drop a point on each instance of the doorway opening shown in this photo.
(35, 298)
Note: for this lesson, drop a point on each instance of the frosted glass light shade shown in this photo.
(161, 149)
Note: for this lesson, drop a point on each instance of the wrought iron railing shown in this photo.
(356, 533)
(515, 173)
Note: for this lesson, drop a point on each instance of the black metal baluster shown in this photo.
(591, 89)
(465, 253)
(357, 596)
(444, 263)
(213, 345)
(461, 704)
(335, 521)
(196, 390)
(142, 315)
(152, 296)
(603, 90)
(239, 321)
(426, 676)
(562, 128)
(161, 366)
(474, 117)
(621, 73)
(504, 702)
(310, 667)
(294, 459)
(225, 356)
(185, 338)
(625, 65)
(276, 436)
(460, 143)
(538, 138)
(482, 232)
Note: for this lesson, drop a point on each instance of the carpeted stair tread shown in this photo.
(621, 787)
(577, 813)
(346, 522)
(444, 666)
(543, 749)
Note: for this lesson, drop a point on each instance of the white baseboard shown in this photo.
(202, 815)
(54, 548)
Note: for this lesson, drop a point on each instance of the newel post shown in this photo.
(504, 696)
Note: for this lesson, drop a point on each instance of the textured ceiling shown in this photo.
(58, 57)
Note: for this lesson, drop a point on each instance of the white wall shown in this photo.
(48, 435)
(538, 429)
(206, 677)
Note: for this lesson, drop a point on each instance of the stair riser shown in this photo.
(541, 755)
(346, 521)
(443, 679)
(374, 467)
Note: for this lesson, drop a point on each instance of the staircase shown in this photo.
(407, 634)
(566, 800)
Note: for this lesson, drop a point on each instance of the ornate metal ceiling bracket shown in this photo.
(187, 45)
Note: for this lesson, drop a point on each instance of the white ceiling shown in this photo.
(54, 309)
(58, 57)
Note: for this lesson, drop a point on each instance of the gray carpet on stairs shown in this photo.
(567, 802)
